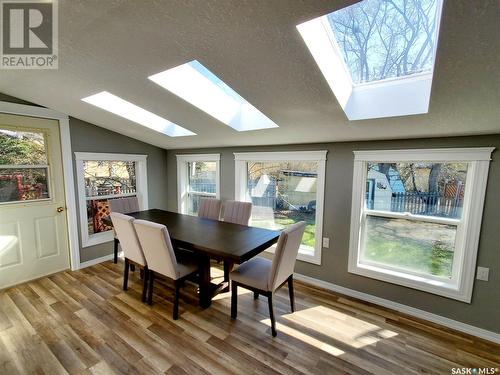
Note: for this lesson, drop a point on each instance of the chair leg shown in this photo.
(125, 274)
(115, 259)
(271, 314)
(234, 300)
(176, 299)
(255, 295)
(290, 291)
(151, 277)
(145, 283)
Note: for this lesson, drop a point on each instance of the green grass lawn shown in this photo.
(410, 245)
(418, 246)
(284, 218)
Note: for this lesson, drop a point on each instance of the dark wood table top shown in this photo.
(215, 238)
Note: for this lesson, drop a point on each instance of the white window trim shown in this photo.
(141, 190)
(182, 176)
(241, 159)
(468, 230)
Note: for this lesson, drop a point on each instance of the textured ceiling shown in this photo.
(255, 48)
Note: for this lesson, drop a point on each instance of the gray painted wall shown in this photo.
(86, 137)
(483, 312)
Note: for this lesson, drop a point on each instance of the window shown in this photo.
(102, 177)
(120, 107)
(199, 86)
(197, 176)
(377, 56)
(408, 26)
(24, 169)
(416, 217)
(284, 188)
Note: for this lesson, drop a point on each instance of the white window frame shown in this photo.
(183, 177)
(468, 227)
(141, 190)
(241, 161)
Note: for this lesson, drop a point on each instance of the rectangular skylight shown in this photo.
(200, 87)
(380, 40)
(377, 56)
(125, 109)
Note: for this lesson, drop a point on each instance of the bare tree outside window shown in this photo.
(382, 39)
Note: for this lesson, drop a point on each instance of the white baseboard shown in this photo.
(93, 262)
(446, 322)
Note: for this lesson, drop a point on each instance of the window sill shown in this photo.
(431, 285)
(305, 255)
(110, 196)
(98, 238)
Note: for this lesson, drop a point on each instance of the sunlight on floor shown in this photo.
(221, 296)
(330, 349)
(322, 327)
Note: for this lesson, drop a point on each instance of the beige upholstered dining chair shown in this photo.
(160, 255)
(124, 206)
(263, 276)
(237, 212)
(209, 208)
(131, 247)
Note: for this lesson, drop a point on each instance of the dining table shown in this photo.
(211, 239)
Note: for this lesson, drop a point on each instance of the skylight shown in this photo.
(382, 39)
(377, 55)
(125, 109)
(200, 87)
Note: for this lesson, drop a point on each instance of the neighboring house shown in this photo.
(298, 189)
(395, 181)
(378, 191)
(290, 190)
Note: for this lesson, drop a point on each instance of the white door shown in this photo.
(33, 227)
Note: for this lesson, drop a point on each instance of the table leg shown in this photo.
(228, 267)
(205, 281)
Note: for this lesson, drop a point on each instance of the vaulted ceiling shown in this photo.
(255, 48)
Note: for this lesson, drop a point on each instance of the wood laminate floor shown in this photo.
(84, 323)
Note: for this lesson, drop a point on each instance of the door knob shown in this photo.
(60, 209)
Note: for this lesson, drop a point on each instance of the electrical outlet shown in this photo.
(326, 242)
(483, 273)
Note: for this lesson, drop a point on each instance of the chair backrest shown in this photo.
(286, 254)
(124, 205)
(237, 212)
(157, 247)
(209, 208)
(129, 242)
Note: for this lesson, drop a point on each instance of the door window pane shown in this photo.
(21, 153)
(23, 184)
(201, 183)
(417, 246)
(283, 193)
(426, 188)
(22, 148)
